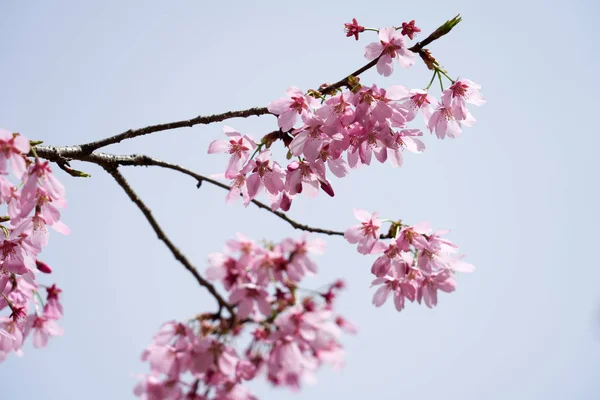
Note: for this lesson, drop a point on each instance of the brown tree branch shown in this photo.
(110, 161)
(114, 172)
(204, 120)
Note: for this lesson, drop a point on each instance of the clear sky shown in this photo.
(519, 190)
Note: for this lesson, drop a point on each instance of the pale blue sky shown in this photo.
(519, 190)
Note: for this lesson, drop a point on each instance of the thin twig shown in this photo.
(53, 153)
(114, 172)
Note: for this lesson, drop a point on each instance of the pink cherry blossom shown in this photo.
(237, 146)
(391, 46)
(250, 299)
(427, 292)
(367, 233)
(264, 172)
(12, 150)
(444, 122)
(42, 328)
(53, 308)
(396, 283)
(413, 100)
(290, 107)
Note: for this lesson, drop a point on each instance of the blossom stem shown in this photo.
(435, 72)
(446, 75)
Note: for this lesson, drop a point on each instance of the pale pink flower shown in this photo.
(250, 299)
(237, 146)
(301, 178)
(427, 292)
(225, 268)
(264, 172)
(346, 325)
(42, 328)
(12, 149)
(239, 188)
(168, 359)
(290, 107)
(301, 264)
(404, 139)
(444, 122)
(338, 110)
(335, 162)
(463, 91)
(172, 330)
(413, 235)
(310, 139)
(209, 353)
(13, 339)
(15, 257)
(53, 309)
(39, 175)
(395, 283)
(152, 388)
(367, 233)
(391, 46)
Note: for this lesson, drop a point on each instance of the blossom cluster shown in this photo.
(345, 129)
(32, 205)
(415, 263)
(290, 332)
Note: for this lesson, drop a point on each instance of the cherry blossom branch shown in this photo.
(258, 111)
(418, 48)
(199, 120)
(114, 172)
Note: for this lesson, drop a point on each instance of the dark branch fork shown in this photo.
(111, 163)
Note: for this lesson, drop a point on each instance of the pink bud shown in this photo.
(43, 267)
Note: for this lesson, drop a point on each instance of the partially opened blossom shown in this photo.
(353, 28)
(53, 308)
(367, 233)
(391, 46)
(410, 29)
